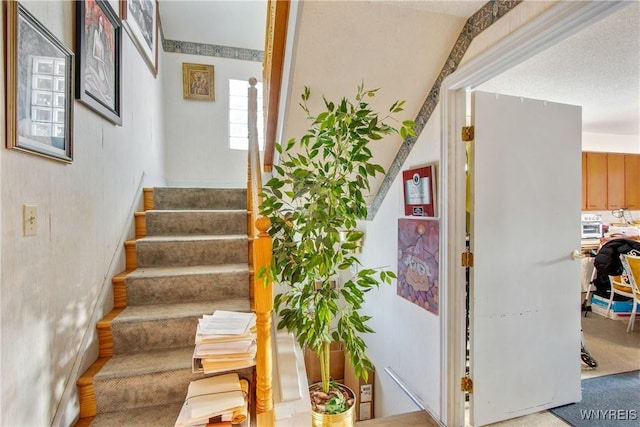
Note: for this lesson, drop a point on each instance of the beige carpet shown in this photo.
(609, 343)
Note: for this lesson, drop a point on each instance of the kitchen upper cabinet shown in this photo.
(632, 181)
(596, 181)
(610, 181)
(584, 181)
(615, 181)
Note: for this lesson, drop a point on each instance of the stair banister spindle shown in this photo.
(260, 256)
(264, 309)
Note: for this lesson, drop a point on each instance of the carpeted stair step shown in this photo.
(156, 416)
(169, 198)
(147, 379)
(181, 222)
(156, 285)
(160, 326)
(159, 251)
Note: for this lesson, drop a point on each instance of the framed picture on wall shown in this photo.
(419, 262)
(198, 82)
(39, 87)
(99, 47)
(419, 191)
(140, 19)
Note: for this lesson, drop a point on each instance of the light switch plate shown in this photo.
(30, 220)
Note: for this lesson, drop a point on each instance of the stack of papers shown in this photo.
(225, 341)
(215, 402)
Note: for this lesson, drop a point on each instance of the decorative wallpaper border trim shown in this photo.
(220, 51)
(487, 15)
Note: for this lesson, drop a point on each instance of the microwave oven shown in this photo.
(591, 226)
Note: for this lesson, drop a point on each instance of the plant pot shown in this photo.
(344, 419)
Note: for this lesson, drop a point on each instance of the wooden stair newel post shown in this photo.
(264, 308)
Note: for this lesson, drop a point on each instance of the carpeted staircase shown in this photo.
(190, 258)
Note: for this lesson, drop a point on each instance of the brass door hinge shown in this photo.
(466, 384)
(468, 133)
(467, 259)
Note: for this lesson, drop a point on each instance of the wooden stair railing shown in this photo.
(260, 251)
(273, 68)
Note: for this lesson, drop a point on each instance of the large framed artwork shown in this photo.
(140, 19)
(38, 87)
(99, 50)
(419, 262)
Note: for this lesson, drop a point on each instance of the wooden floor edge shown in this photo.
(120, 289)
(86, 393)
(147, 198)
(140, 220)
(105, 335)
(95, 367)
(108, 318)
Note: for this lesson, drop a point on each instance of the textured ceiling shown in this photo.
(598, 69)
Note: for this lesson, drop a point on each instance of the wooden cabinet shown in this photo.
(584, 181)
(615, 181)
(596, 181)
(632, 181)
(610, 181)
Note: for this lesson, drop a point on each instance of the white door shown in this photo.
(525, 287)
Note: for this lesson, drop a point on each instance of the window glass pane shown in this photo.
(238, 120)
(239, 116)
(238, 103)
(237, 143)
(238, 88)
(238, 130)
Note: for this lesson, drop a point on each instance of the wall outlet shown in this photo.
(30, 220)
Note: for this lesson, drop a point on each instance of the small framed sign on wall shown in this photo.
(419, 191)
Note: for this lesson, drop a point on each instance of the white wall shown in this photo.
(197, 147)
(609, 143)
(407, 337)
(56, 285)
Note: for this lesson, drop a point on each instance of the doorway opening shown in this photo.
(533, 38)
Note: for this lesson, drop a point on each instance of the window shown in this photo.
(238, 110)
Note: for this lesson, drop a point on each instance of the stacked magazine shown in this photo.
(219, 401)
(225, 341)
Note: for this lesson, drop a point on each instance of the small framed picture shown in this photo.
(99, 47)
(198, 82)
(420, 191)
(39, 73)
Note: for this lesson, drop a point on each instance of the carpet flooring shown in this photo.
(610, 400)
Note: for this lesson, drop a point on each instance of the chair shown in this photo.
(631, 265)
